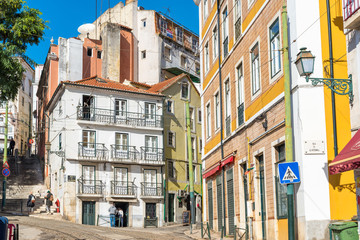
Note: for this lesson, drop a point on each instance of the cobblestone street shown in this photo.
(34, 228)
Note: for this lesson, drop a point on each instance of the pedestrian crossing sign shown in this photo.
(289, 172)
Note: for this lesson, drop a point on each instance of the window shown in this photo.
(185, 90)
(200, 145)
(275, 48)
(217, 110)
(60, 107)
(22, 101)
(151, 143)
(225, 32)
(240, 95)
(207, 57)
(193, 148)
(171, 169)
(121, 141)
(183, 62)
(215, 42)
(144, 22)
(194, 173)
(208, 120)
(206, 9)
(89, 52)
(192, 119)
(255, 69)
(88, 139)
(281, 197)
(194, 44)
(197, 68)
(170, 106)
(199, 115)
(171, 139)
(99, 54)
(163, 25)
(121, 180)
(237, 20)
(143, 54)
(120, 107)
(227, 99)
(60, 141)
(179, 34)
(167, 53)
(150, 113)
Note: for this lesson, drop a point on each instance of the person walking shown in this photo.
(31, 202)
(49, 199)
(12, 146)
(121, 217)
(112, 211)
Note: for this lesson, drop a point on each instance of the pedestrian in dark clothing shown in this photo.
(49, 199)
(12, 146)
(31, 202)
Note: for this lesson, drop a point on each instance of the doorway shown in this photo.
(88, 107)
(171, 207)
(260, 160)
(125, 207)
(88, 216)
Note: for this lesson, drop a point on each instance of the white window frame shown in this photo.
(172, 107)
(182, 56)
(217, 110)
(227, 98)
(167, 58)
(240, 96)
(206, 57)
(208, 120)
(254, 94)
(215, 40)
(250, 3)
(199, 116)
(225, 29)
(200, 143)
(206, 9)
(173, 170)
(274, 77)
(188, 96)
(179, 33)
(173, 145)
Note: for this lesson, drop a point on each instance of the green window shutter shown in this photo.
(230, 197)
(211, 207)
(219, 201)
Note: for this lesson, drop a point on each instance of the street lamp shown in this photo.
(305, 65)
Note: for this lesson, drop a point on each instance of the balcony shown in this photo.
(152, 155)
(238, 29)
(123, 189)
(228, 126)
(90, 188)
(226, 47)
(107, 116)
(351, 14)
(151, 190)
(92, 151)
(240, 109)
(124, 153)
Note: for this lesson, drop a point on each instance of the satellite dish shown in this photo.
(197, 2)
(86, 28)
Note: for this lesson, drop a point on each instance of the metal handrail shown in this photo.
(152, 154)
(151, 189)
(92, 150)
(124, 152)
(90, 186)
(237, 233)
(119, 117)
(123, 188)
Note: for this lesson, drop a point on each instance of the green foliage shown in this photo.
(20, 26)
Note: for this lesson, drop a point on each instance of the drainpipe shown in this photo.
(5, 153)
(191, 173)
(221, 114)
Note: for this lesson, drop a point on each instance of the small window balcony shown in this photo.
(151, 189)
(124, 153)
(89, 187)
(351, 14)
(92, 151)
(123, 189)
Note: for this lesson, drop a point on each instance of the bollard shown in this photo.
(202, 230)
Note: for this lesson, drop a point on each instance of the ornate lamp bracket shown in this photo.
(338, 85)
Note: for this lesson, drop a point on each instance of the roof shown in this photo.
(103, 83)
(159, 87)
(140, 84)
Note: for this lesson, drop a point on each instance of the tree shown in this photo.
(20, 26)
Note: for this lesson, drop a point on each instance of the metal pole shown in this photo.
(331, 60)
(221, 111)
(288, 123)
(190, 157)
(5, 153)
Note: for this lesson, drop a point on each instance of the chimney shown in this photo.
(129, 1)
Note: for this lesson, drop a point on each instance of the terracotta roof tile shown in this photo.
(159, 87)
(109, 84)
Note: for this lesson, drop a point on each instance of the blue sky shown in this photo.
(67, 15)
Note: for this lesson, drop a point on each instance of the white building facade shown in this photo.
(107, 147)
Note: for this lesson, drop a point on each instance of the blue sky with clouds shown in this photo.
(66, 16)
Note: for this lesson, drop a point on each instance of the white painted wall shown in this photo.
(70, 59)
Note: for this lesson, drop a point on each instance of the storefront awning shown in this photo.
(349, 158)
(228, 160)
(212, 171)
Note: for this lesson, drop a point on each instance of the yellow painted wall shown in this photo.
(176, 123)
(342, 193)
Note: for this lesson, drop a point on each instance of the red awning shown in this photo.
(349, 158)
(211, 171)
(228, 160)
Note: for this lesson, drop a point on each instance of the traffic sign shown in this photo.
(6, 165)
(31, 141)
(289, 172)
(6, 172)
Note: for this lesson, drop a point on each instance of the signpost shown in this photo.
(6, 165)
(289, 172)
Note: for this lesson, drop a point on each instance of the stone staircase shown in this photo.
(26, 176)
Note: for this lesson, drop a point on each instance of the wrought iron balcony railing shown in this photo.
(91, 187)
(240, 109)
(151, 189)
(124, 152)
(123, 188)
(152, 154)
(92, 151)
(350, 7)
(119, 117)
(228, 126)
